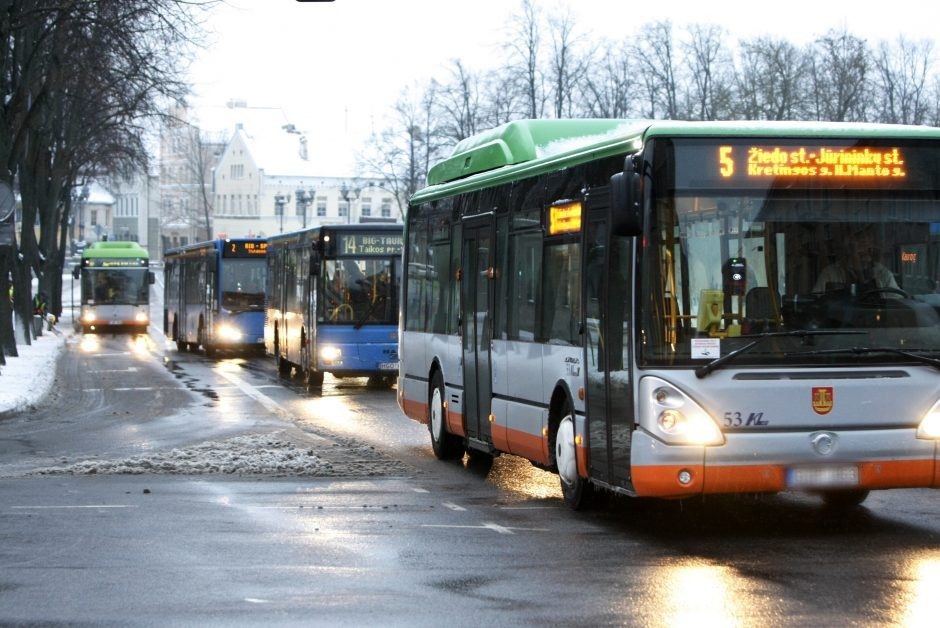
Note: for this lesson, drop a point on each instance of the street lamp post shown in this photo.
(280, 200)
(349, 196)
(304, 199)
(82, 199)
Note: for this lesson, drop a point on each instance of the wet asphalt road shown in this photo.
(428, 544)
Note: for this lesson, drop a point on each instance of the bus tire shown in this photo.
(844, 499)
(480, 461)
(283, 366)
(577, 491)
(446, 446)
(314, 380)
(207, 349)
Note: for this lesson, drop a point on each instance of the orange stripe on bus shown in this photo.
(662, 480)
(500, 436)
(415, 410)
(582, 456)
(455, 423)
(527, 445)
(898, 474)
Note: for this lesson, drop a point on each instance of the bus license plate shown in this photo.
(388, 366)
(823, 477)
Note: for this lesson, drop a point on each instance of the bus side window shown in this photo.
(525, 254)
(561, 311)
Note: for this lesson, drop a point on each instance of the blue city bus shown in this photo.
(214, 295)
(332, 302)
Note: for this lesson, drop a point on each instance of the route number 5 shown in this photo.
(727, 163)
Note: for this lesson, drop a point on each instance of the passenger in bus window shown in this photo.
(859, 266)
(101, 288)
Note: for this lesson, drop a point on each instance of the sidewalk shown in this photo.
(25, 380)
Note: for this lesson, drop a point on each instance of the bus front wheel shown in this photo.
(844, 499)
(576, 490)
(314, 380)
(446, 446)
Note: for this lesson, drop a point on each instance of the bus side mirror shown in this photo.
(626, 216)
(151, 278)
(76, 272)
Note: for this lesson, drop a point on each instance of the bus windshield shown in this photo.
(857, 265)
(128, 286)
(243, 284)
(363, 290)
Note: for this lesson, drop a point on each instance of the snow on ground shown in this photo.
(26, 380)
(275, 454)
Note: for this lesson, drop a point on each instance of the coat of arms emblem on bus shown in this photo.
(822, 399)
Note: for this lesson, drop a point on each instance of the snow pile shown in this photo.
(254, 454)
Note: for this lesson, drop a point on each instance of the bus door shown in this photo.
(476, 313)
(607, 295)
(213, 261)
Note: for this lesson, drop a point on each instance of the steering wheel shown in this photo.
(886, 290)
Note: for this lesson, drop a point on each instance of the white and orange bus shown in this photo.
(670, 309)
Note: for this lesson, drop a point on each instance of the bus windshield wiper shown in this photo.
(917, 357)
(365, 317)
(720, 361)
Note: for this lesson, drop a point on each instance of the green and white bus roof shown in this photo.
(526, 148)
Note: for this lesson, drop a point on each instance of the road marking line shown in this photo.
(253, 392)
(130, 369)
(485, 526)
(496, 527)
(72, 507)
(421, 490)
(454, 507)
(255, 600)
(125, 389)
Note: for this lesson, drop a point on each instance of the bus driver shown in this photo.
(859, 266)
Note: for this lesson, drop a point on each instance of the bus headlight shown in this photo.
(673, 417)
(331, 355)
(88, 315)
(228, 333)
(930, 426)
(141, 317)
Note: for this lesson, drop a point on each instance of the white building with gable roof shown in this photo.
(265, 183)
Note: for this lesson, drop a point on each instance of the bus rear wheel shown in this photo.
(577, 491)
(446, 446)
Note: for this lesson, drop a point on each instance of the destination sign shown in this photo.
(870, 163)
(564, 217)
(112, 262)
(810, 161)
(369, 244)
(245, 248)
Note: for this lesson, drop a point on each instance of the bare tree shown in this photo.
(653, 54)
(839, 65)
(80, 79)
(772, 80)
(403, 152)
(609, 86)
(710, 73)
(188, 156)
(500, 101)
(459, 103)
(901, 73)
(524, 41)
(568, 64)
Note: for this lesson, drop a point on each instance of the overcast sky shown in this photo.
(338, 66)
